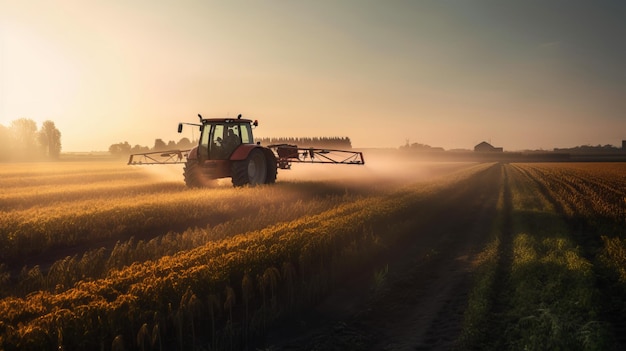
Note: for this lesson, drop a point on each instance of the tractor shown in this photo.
(226, 149)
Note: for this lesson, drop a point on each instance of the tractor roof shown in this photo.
(226, 120)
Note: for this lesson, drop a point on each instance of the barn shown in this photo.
(486, 147)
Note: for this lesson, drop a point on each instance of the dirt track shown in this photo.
(419, 303)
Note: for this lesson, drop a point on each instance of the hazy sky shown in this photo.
(521, 74)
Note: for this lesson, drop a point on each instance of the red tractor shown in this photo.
(226, 149)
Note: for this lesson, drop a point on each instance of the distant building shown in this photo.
(486, 147)
(623, 144)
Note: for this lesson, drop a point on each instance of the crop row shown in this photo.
(18, 175)
(592, 197)
(95, 263)
(588, 192)
(61, 238)
(232, 287)
(542, 281)
(554, 299)
(54, 195)
(594, 201)
(37, 230)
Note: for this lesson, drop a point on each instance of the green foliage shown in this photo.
(548, 295)
(554, 301)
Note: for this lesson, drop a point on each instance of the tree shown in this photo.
(50, 140)
(5, 142)
(120, 149)
(185, 143)
(159, 145)
(138, 149)
(24, 132)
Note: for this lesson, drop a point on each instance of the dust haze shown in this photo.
(384, 169)
(166, 173)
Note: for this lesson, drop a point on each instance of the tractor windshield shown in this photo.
(219, 140)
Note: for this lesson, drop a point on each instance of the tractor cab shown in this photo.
(220, 137)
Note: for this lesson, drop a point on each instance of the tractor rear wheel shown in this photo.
(195, 177)
(252, 170)
(272, 166)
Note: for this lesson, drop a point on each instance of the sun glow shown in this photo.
(144, 65)
(39, 79)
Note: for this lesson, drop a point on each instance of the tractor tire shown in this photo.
(252, 171)
(272, 166)
(195, 177)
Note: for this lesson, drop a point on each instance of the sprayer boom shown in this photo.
(159, 157)
(286, 154)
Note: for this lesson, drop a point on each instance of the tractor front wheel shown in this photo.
(252, 170)
(195, 177)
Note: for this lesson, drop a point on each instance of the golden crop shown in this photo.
(155, 253)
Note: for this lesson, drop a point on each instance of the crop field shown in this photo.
(396, 254)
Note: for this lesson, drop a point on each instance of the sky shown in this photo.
(533, 74)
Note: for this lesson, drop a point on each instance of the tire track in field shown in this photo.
(421, 303)
(501, 290)
(438, 316)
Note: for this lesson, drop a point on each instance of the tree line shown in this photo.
(589, 149)
(316, 142)
(419, 147)
(23, 141)
(125, 149)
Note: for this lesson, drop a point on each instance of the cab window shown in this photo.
(203, 148)
(231, 139)
(246, 134)
(217, 142)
